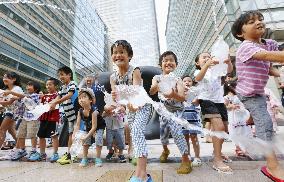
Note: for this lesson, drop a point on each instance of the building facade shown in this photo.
(134, 21)
(36, 40)
(191, 27)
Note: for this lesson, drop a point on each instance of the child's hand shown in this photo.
(227, 61)
(109, 110)
(131, 108)
(7, 92)
(121, 109)
(211, 62)
(195, 102)
(83, 140)
(170, 95)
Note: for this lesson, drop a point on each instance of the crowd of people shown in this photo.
(218, 104)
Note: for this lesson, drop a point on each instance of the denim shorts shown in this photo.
(257, 107)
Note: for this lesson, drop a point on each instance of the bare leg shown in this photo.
(55, 143)
(195, 144)
(42, 145)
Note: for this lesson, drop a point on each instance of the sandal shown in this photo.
(226, 159)
(223, 170)
(269, 175)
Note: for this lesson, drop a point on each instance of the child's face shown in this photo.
(50, 86)
(63, 77)
(168, 64)
(89, 81)
(120, 56)
(187, 82)
(30, 89)
(253, 29)
(84, 100)
(203, 58)
(8, 81)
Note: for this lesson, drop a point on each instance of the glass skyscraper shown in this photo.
(134, 21)
(36, 40)
(190, 25)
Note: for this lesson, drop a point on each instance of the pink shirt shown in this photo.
(252, 74)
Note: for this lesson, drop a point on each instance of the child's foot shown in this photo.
(18, 155)
(164, 156)
(37, 157)
(220, 167)
(122, 159)
(109, 156)
(54, 157)
(185, 168)
(84, 162)
(98, 162)
(196, 162)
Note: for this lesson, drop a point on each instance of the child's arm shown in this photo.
(273, 71)
(19, 95)
(201, 74)
(230, 65)
(154, 87)
(59, 100)
(78, 123)
(94, 126)
(272, 56)
(137, 79)
(6, 103)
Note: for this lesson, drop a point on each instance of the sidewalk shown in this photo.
(115, 172)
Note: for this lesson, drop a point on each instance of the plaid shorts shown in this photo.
(28, 129)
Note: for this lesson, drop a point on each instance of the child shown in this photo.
(174, 103)
(12, 82)
(212, 105)
(121, 54)
(253, 65)
(192, 114)
(92, 122)
(28, 128)
(236, 117)
(115, 130)
(66, 95)
(48, 124)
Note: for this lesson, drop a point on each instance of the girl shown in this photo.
(192, 115)
(12, 83)
(93, 122)
(121, 54)
(237, 117)
(211, 101)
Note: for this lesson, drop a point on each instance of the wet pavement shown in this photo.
(244, 170)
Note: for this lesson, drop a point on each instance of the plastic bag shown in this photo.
(220, 50)
(167, 83)
(77, 144)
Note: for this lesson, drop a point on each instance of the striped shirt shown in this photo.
(68, 105)
(252, 74)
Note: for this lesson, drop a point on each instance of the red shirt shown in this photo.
(52, 116)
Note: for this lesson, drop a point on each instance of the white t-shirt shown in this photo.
(210, 88)
(11, 108)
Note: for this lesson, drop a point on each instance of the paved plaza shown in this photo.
(244, 169)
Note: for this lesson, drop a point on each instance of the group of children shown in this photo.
(93, 116)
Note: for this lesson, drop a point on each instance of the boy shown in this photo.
(48, 124)
(174, 104)
(66, 95)
(28, 128)
(253, 64)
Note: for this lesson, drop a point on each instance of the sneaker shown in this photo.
(98, 162)
(122, 159)
(84, 162)
(164, 156)
(109, 156)
(65, 159)
(185, 168)
(54, 157)
(9, 155)
(18, 155)
(136, 179)
(134, 161)
(196, 162)
(37, 157)
(31, 153)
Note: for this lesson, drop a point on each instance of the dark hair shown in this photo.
(12, 75)
(55, 81)
(66, 70)
(126, 45)
(84, 92)
(229, 88)
(242, 20)
(36, 86)
(281, 47)
(167, 53)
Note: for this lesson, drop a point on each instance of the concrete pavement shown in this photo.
(244, 170)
